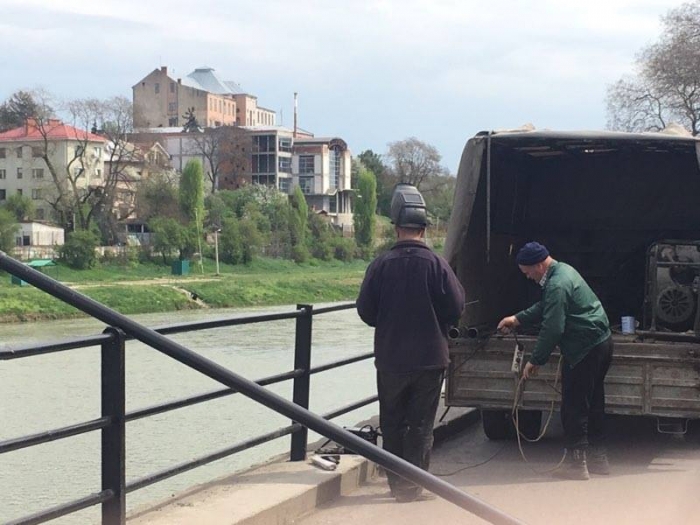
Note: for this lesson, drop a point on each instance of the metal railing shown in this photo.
(112, 422)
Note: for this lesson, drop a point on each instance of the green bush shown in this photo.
(79, 250)
(345, 249)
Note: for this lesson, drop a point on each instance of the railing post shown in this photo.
(302, 361)
(114, 436)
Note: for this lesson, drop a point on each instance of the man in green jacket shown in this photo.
(572, 318)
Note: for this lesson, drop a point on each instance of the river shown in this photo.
(46, 392)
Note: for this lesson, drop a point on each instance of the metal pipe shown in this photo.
(255, 392)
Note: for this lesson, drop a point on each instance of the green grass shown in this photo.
(263, 282)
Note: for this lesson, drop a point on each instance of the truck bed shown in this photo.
(655, 378)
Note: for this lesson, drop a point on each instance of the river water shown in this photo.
(46, 392)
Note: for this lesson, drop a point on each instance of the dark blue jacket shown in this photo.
(411, 296)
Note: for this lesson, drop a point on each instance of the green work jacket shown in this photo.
(570, 314)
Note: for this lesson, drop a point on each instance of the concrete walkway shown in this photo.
(280, 492)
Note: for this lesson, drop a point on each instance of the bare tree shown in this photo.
(666, 86)
(225, 151)
(413, 161)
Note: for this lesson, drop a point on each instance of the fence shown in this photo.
(112, 423)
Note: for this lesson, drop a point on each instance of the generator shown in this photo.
(672, 297)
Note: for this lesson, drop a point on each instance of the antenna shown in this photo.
(295, 115)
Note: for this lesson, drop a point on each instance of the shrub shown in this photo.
(79, 250)
(345, 249)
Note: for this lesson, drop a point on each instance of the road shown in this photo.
(655, 480)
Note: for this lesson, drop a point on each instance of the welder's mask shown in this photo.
(408, 207)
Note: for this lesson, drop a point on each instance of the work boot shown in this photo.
(574, 466)
(597, 459)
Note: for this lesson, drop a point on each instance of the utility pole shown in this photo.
(216, 248)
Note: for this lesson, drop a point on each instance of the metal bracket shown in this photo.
(674, 426)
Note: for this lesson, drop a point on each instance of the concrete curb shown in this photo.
(278, 493)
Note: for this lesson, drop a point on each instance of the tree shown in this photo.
(79, 250)
(157, 196)
(373, 162)
(298, 219)
(666, 87)
(21, 206)
(191, 199)
(21, 106)
(8, 230)
(169, 236)
(413, 161)
(226, 154)
(365, 210)
(439, 194)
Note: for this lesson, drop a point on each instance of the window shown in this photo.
(40, 214)
(285, 144)
(267, 180)
(3, 174)
(333, 204)
(157, 87)
(172, 107)
(19, 192)
(285, 164)
(37, 173)
(172, 87)
(306, 164)
(306, 184)
(284, 185)
(78, 151)
(98, 174)
(19, 152)
(2, 153)
(264, 143)
(334, 167)
(98, 152)
(37, 152)
(172, 121)
(36, 194)
(19, 173)
(3, 195)
(263, 164)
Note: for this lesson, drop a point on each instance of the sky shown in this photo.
(370, 72)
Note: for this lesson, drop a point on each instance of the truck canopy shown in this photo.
(597, 200)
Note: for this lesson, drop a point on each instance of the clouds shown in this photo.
(369, 71)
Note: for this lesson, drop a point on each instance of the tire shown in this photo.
(497, 424)
(530, 422)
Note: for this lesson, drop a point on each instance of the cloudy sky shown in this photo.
(371, 72)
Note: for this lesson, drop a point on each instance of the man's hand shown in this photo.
(508, 323)
(530, 370)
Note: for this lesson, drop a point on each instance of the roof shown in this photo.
(587, 135)
(53, 129)
(206, 79)
(40, 263)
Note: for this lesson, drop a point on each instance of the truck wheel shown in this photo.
(529, 422)
(497, 424)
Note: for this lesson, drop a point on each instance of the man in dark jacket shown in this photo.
(572, 318)
(411, 297)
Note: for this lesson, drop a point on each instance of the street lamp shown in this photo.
(216, 248)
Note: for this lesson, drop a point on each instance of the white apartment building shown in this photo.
(23, 169)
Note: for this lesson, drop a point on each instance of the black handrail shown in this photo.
(249, 388)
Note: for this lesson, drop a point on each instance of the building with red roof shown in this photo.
(31, 155)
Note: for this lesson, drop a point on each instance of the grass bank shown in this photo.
(142, 288)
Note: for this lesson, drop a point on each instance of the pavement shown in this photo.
(281, 492)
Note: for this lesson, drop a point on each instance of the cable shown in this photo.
(516, 420)
(448, 474)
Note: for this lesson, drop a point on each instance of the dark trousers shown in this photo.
(407, 406)
(583, 397)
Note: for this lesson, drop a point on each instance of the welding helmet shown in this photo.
(408, 207)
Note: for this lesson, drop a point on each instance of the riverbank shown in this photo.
(135, 288)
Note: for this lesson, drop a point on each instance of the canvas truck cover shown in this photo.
(597, 200)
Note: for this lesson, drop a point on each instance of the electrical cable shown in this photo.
(448, 474)
(517, 399)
